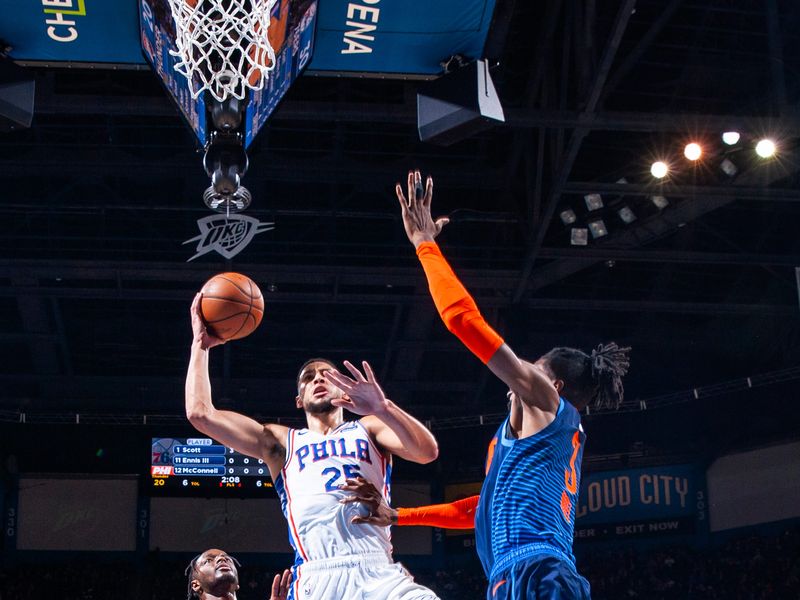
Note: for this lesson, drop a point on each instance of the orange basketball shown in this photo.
(232, 305)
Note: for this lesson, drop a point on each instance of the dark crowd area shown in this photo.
(744, 568)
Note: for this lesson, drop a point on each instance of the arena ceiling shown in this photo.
(101, 191)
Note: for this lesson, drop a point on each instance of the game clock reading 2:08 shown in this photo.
(202, 467)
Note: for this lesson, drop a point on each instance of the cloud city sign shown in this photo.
(226, 235)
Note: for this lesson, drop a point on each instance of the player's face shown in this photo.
(542, 366)
(215, 573)
(314, 392)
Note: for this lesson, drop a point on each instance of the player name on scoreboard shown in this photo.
(201, 457)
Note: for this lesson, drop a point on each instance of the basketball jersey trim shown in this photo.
(524, 553)
(384, 461)
(508, 441)
(298, 544)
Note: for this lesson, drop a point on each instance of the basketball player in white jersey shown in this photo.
(335, 559)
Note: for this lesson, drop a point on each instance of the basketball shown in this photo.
(231, 306)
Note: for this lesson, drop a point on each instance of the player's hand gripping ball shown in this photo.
(231, 306)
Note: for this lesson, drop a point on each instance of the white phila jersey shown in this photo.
(308, 486)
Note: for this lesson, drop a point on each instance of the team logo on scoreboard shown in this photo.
(161, 471)
(226, 235)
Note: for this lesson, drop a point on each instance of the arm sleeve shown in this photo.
(456, 515)
(456, 307)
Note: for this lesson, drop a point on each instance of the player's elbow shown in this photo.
(428, 454)
(199, 418)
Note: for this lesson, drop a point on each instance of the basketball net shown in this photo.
(223, 45)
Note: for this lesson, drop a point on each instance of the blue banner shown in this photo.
(354, 36)
(641, 502)
(91, 31)
(413, 36)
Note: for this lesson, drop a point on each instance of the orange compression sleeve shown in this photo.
(456, 307)
(456, 515)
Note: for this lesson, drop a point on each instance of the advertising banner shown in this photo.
(634, 503)
(90, 31)
(411, 37)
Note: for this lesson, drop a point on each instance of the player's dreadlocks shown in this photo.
(191, 568)
(609, 365)
(595, 379)
(190, 594)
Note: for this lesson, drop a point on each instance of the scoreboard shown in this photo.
(203, 467)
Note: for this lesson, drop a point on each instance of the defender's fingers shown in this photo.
(276, 584)
(398, 189)
(286, 580)
(428, 191)
(411, 189)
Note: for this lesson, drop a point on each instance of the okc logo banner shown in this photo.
(226, 235)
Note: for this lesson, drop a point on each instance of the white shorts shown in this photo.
(365, 577)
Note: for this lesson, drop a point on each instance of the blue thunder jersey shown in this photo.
(528, 500)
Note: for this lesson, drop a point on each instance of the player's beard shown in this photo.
(320, 407)
(224, 582)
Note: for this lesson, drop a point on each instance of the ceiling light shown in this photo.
(659, 169)
(728, 167)
(765, 148)
(579, 236)
(731, 137)
(598, 228)
(693, 151)
(661, 202)
(568, 216)
(627, 215)
(593, 201)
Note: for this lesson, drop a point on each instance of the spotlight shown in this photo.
(661, 202)
(693, 151)
(731, 137)
(659, 169)
(627, 215)
(568, 216)
(579, 236)
(765, 148)
(598, 228)
(593, 201)
(728, 167)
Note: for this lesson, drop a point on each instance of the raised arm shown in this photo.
(454, 515)
(392, 428)
(458, 309)
(232, 429)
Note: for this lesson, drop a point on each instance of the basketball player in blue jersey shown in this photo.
(335, 559)
(525, 515)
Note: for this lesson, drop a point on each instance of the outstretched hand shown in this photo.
(363, 491)
(281, 585)
(416, 210)
(200, 332)
(363, 395)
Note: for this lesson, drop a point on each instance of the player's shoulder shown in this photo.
(369, 423)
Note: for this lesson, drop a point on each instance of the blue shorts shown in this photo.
(539, 578)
